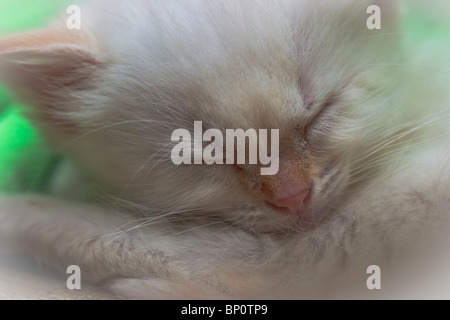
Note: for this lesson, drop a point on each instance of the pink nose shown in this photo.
(295, 204)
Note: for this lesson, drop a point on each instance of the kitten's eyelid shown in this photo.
(308, 105)
(329, 102)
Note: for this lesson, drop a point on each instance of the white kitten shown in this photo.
(363, 149)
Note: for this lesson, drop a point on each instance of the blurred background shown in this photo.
(24, 164)
(23, 158)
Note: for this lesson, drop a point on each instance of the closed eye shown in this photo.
(324, 108)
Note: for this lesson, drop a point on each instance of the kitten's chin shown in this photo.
(325, 197)
(272, 221)
(316, 212)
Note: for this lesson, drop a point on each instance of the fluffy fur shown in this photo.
(355, 119)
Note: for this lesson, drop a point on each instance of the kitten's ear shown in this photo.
(43, 68)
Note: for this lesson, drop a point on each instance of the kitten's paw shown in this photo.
(8, 249)
(160, 289)
(19, 219)
(8, 221)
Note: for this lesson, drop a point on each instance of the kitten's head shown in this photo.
(111, 95)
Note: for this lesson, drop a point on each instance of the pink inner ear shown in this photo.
(45, 38)
(26, 41)
(41, 67)
(56, 57)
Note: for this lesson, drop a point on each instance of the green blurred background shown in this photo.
(23, 158)
(24, 161)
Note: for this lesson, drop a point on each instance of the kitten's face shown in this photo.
(311, 69)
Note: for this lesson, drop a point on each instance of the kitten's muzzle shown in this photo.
(293, 204)
(289, 190)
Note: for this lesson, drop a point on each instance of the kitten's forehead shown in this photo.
(219, 55)
(252, 62)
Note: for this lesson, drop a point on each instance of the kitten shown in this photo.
(363, 149)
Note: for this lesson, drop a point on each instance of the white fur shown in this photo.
(197, 231)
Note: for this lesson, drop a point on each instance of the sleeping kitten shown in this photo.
(363, 150)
